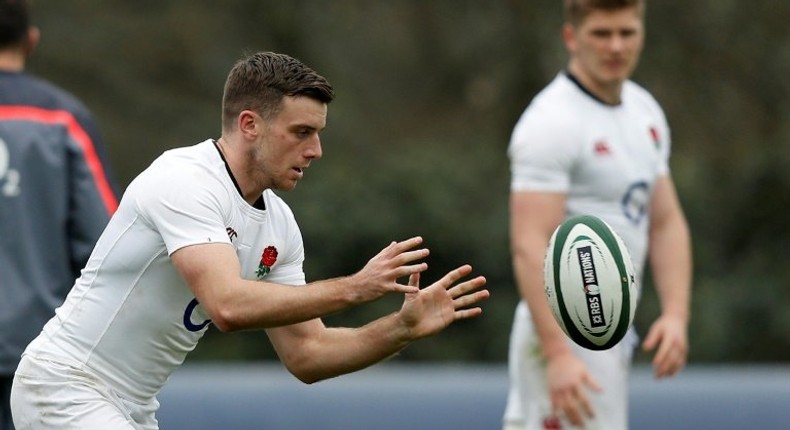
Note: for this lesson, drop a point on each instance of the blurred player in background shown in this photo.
(593, 142)
(200, 237)
(55, 196)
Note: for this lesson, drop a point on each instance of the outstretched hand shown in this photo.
(430, 310)
(380, 275)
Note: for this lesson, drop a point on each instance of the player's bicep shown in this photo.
(664, 203)
(534, 216)
(208, 269)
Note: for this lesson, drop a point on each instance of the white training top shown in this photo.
(605, 158)
(130, 318)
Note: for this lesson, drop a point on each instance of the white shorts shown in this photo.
(50, 395)
(529, 405)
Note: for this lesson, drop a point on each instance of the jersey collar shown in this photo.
(584, 89)
(259, 204)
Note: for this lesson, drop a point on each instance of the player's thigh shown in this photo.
(44, 398)
(526, 364)
(611, 367)
(528, 401)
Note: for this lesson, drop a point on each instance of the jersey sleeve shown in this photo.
(665, 142)
(541, 153)
(290, 267)
(660, 131)
(290, 271)
(186, 207)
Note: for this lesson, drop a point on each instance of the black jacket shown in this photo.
(55, 199)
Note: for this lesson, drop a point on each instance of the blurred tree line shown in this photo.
(427, 94)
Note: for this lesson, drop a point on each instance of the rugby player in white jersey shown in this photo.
(199, 238)
(593, 142)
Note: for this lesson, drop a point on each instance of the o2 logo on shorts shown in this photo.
(9, 178)
(635, 202)
(191, 326)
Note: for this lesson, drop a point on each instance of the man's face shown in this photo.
(289, 142)
(605, 47)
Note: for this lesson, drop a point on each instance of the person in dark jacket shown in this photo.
(56, 195)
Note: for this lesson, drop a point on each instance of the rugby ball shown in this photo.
(590, 282)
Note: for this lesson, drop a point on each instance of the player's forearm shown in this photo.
(552, 338)
(529, 276)
(671, 262)
(338, 351)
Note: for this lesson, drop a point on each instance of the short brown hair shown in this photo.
(14, 21)
(576, 10)
(260, 81)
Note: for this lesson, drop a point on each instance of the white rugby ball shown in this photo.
(590, 282)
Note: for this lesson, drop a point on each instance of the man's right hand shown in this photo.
(568, 381)
(380, 275)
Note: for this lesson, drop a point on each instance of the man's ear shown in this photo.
(33, 37)
(568, 36)
(248, 122)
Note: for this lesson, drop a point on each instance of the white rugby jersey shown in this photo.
(605, 158)
(130, 317)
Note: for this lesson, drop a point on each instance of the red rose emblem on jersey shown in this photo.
(268, 258)
(655, 136)
(552, 423)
